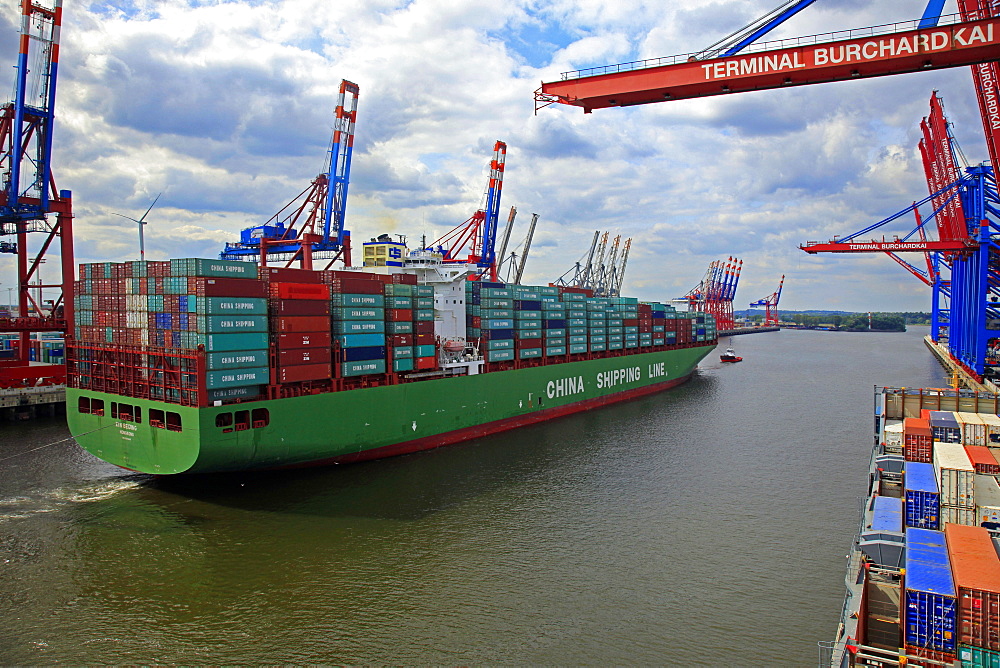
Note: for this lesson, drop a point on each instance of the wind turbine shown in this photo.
(141, 222)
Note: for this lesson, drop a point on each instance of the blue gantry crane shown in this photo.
(311, 225)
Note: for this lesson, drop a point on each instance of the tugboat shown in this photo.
(730, 356)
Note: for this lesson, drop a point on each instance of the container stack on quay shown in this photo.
(924, 577)
(199, 332)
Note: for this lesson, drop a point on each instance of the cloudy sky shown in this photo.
(225, 107)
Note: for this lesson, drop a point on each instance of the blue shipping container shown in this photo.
(361, 340)
(887, 515)
(363, 354)
(930, 592)
(921, 496)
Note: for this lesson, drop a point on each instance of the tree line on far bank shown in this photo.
(857, 322)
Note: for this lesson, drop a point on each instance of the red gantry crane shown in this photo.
(716, 291)
(770, 305)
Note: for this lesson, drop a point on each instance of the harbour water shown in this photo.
(705, 526)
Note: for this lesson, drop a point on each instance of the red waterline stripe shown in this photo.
(480, 430)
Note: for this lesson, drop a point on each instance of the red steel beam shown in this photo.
(889, 246)
(955, 45)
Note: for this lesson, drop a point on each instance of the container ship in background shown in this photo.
(923, 581)
(197, 365)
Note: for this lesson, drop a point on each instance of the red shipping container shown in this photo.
(299, 356)
(300, 307)
(304, 340)
(405, 279)
(982, 458)
(423, 327)
(630, 322)
(975, 569)
(294, 374)
(522, 344)
(299, 291)
(423, 339)
(280, 274)
(357, 286)
(399, 314)
(423, 363)
(918, 440)
(300, 323)
(227, 287)
(946, 658)
(401, 340)
(336, 274)
(476, 321)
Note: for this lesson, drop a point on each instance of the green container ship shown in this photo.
(162, 395)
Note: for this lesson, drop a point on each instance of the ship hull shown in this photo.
(369, 423)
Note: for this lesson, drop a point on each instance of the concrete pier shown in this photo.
(941, 353)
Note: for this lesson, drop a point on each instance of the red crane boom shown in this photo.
(871, 52)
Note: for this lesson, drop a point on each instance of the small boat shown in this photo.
(730, 356)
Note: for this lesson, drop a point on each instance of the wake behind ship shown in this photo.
(199, 365)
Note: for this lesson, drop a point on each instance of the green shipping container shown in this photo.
(500, 344)
(529, 353)
(423, 302)
(398, 302)
(399, 290)
(227, 305)
(399, 327)
(424, 315)
(222, 324)
(978, 657)
(403, 364)
(212, 268)
(555, 340)
(426, 351)
(578, 348)
(365, 327)
(359, 313)
(226, 342)
(403, 352)
(216, 380)
(498, 313)
(236, 359)
(577, 339)
(356, 300)
(527, 334)
(423, 290)
(555, 350)
(362, 368)
(497, 303)
(615, 345)
(598, 347)
(235, 393)
(499, 355)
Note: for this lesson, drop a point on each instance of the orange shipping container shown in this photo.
(975, 568)
(983, 459)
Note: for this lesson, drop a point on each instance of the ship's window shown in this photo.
(83, 404)
(114, 409)
(242, 420)
(174, 421)
(97, 406)
(156, 418)
(224, 420)
(261, 417)
(137, 414)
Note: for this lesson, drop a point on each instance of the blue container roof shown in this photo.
(944, 417)
(887, 514)
(919, 477)
(927, 566)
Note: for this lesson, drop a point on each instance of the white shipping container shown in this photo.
(992, 423)
(955, 474)
(988, 514)
(973, 429)
(952, 515)
(893, 434)
(987, 490)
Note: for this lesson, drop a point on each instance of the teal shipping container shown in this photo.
(236, 359)
(216, 380)
(227, 342)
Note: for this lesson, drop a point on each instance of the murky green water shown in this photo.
(703, 526)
